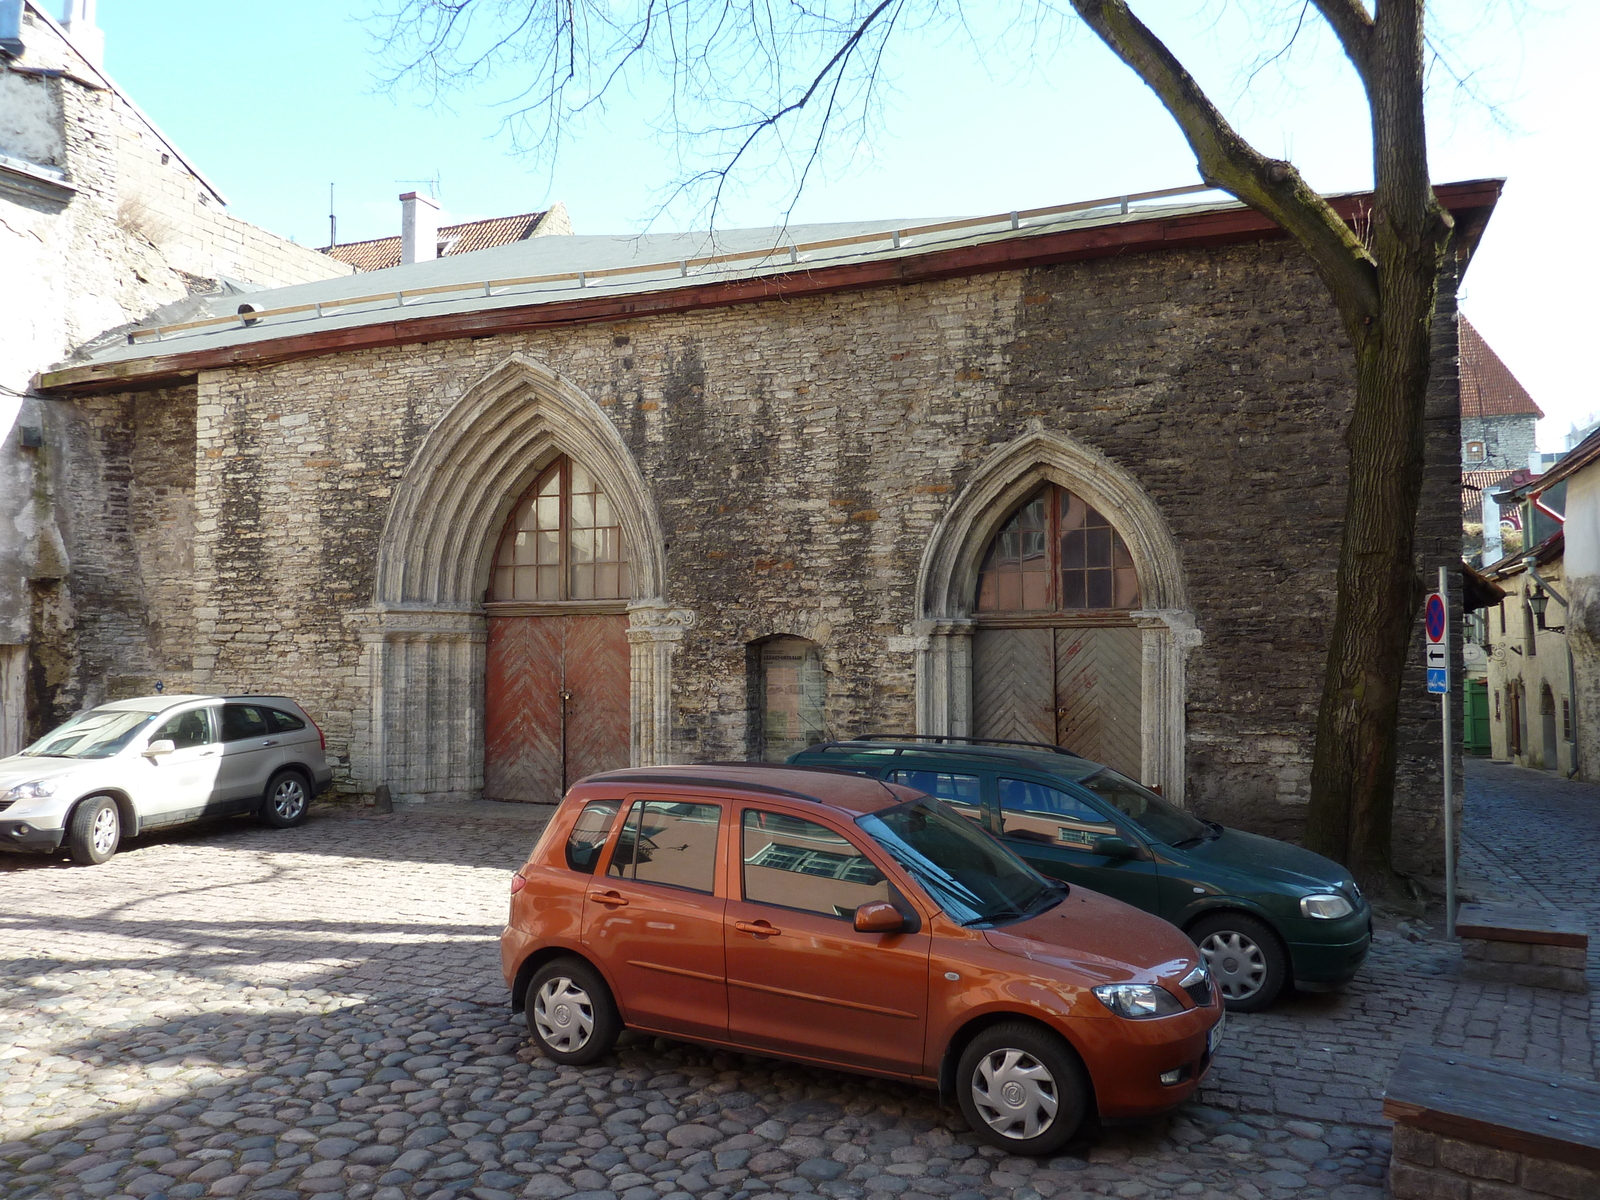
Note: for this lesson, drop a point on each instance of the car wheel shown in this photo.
(95, 831)
(1022, 1088)
(287, 800)
(570, 1012)
(1246, 960)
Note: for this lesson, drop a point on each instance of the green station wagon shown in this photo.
(1263, 912)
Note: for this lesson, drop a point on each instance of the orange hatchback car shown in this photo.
(841, 921)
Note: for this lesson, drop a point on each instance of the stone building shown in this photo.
(421, 237)
(504, 518)
(1499, 426)
(102, 221)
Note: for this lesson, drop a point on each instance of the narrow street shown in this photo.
(318, 1013)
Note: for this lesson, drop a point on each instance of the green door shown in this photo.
(1054, 832)
(1475, 726)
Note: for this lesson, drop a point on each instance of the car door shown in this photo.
(1055, 832)
(178, 786)
(653, 920)
(801, 980)
(250, 754)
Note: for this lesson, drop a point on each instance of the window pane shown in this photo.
(669, 843)
(602, 510)
(589, 834)
(522, 547)
(582, 511)
(549, 585)
(605, 582)
(284, 722)
(1073, 593)
(580, 479)
(1036, 813)
(1099, 547)
(796, 863)
(240, 721)
(549, 543)
(1098, 587)
(552, 483)
(960, 792)
(186, 729)
(583, 583)
(1073, 550)
(581, 545)
(548, 515)
(605, 545)
(1127, 589)
(1035, 590)
(624, 581)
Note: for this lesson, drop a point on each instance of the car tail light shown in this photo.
(320, 734)
(518, 883)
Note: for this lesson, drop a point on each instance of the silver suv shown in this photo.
(134, 765)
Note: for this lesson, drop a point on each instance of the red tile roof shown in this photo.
(1488, 388)
(379, 253)
(1475, 485)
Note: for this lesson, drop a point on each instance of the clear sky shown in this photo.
(273, 101)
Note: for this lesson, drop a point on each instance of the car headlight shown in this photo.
(1328, 908)
(1138, 1001)
(36, 790)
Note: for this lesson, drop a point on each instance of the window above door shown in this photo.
(1057, 554)
(563, 541)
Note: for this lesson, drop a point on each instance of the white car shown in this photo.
(134, 765)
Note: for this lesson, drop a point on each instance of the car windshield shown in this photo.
(972, 877)
(1161, 819)
(98, 733)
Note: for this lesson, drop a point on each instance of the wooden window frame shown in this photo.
(1053, 614)
(564, 601)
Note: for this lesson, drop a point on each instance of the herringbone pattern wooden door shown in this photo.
(1099, 687)
(536, 741)
(1013, 684)
(1078, 688)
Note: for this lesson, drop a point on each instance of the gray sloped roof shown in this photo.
(555, 269)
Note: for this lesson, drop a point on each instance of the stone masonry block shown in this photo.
(1474, 948)
(1509, 952)
(1408, 1182)
(1487, 972)
(1483, 1189)
(1479, 1162)
(1561, 978)
(1546, 1177)
(1415, 1145)
(1560, 956)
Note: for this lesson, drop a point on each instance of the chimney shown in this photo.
(419, 228)
(85, 34)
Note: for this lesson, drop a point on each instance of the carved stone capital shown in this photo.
(656, 622)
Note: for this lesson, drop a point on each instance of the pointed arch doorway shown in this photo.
(1056, 654)
(556, 685)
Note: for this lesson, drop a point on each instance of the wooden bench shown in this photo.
(1500, 944)
(1473, 1127)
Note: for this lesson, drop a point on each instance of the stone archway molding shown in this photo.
(424, 635)
(947, 582)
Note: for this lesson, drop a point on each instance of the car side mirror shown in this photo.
(159, 747)
(1115, 847)
(879, 916)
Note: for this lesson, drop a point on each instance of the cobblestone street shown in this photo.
(318, 1013)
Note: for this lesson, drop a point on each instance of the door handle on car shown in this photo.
(270, 742)
(759, 928)
(610, 899)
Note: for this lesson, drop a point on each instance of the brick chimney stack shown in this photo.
(85, 34)
(419, 228)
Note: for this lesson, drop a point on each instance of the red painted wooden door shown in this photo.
(556, 704)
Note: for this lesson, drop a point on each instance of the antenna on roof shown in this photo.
(333, 222)
(434, 184)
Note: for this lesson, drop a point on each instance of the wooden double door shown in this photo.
(555, 704)
(1081, 688)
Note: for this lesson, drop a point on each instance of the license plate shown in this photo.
(1215, 1035)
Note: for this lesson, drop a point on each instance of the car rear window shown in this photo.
(283, 722)
(241, 721)
(589, 834)
(669, 842)
(961, 792)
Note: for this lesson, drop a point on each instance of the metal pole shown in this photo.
(1449, 783)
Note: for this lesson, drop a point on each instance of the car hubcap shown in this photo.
(104, 834)
(1236, 962)
(1015, 1094)
(564, 1015)
(288, 799)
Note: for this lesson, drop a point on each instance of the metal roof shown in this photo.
(541, 270)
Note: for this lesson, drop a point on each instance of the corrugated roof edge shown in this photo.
(1471, 202)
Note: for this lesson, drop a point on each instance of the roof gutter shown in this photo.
(1470, 203)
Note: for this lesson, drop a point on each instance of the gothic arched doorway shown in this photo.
(1056, 654)
(556, 694)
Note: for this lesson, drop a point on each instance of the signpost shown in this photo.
(1437, 616)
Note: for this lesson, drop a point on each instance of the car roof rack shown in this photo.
(972, 741)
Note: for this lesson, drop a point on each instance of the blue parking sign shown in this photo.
(1439, 679)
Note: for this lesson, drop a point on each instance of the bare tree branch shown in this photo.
(1227, 161)
(1354, 26)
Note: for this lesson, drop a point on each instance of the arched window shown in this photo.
(1057, 554)
(791, 694)
(563, 541)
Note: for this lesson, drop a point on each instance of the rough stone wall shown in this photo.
(1507, 442)
(124, 588)
(800, 455)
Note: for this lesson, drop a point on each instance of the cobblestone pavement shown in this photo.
(318, 1014)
